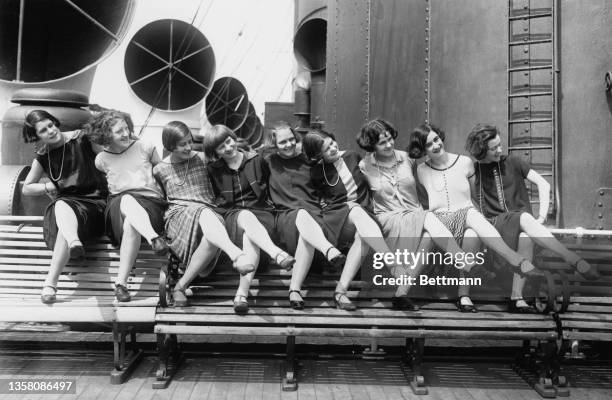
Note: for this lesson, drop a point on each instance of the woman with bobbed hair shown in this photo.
(291, 189)
(343, 188)
(136, 203)
(77, 188)
(390, 175)
(502, 197)
(195, 232)
(240, 184)
(446, 178)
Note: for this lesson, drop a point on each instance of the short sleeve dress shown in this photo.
(79, 184)
(131, 172)
(189, 192)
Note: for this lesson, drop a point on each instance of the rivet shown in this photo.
(600, 216)
(601, 192)
(600, 204)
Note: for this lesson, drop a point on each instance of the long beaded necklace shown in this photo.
(184, 175)
(61, 164)
(393, 179)
(327, 181)
(499, 187)
(443, 170)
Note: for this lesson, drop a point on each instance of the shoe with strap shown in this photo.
(343, 302)
(178, 294)
(76, 249)
(243, 267)
(524, 308)
(590, 273)
(465, 308)
(241, 305)
(296, 304)
(48, 294)
(284, 260)
(121, 293)
(337, 262)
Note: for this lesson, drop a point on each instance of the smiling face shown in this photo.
(494, 150)
(384, 147)
(286, 143)
(182, 149)
(120, 134)
(329, 150)
(228, 149)
(47, 132)
(434, 147)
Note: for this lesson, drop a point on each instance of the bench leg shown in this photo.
(374, 352)
(535, 368)
(290, 379)
(414, 357)
(558, 376)
(125, 362)
(170, 357)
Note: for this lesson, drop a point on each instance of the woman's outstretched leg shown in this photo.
(357, 252)
(130, 245)
(490, 236)
(138, 218)
(241, 305)
(525, 249)
(368, 229)
(203, 255)
(470, 245)
(214, 232)
(313, 234)
(258, 235)
(542, 236)
(304, 254)
(68, 226)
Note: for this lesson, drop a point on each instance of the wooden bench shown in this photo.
(211, 313)
(85, 290)
(589, 303)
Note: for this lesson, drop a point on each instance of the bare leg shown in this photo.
(542, 236)
(303, 255)
(257, 234)
(312, 233)
(201, 257)
(525, 248)
(138, 218)
(368, 230)
(359, 249)
(471, 244)
(130, 245)
(58, 262)
(214, 231)
(66, 222)
(441, 236)
(252, 251)
(489, 235)
(412, 271)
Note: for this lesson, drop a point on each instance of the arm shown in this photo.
(31, 187)
(543, 193)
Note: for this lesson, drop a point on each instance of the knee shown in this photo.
(126, 201)
(470, 234)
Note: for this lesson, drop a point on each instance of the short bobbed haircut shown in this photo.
(174, 132)
(478, 139)
(99, 129)
(271, 134)
(214, 137)
(28, 131)
(372, 131)
(312, 143)
(418, 139)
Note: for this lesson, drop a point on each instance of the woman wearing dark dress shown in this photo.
(343, 188)
(77, 188)
(239, 182)
(502, 197)
(195, 232)
(291, 189)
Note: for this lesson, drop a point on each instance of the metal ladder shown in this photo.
(532, 92)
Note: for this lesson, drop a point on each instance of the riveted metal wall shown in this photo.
(586, 110)
(468, 61)
(397, 63)
(346, 94)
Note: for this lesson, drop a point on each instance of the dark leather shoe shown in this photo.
(404, 303)
(296, 304)
(337, 263)
(122, 294)
(241, 306)
(466, 307)
(76, 250)
(347, 305)
(159, 246)
(528, 309)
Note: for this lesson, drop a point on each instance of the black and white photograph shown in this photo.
(306, 199)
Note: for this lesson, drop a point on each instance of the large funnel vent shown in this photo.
(47, 40)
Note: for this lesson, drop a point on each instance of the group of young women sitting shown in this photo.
(297, 195)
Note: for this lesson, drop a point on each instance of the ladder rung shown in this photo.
(518, 148)
(529, 121)
(530, 13)
(532, 94)
(524, 140)
(530, 62)
(534, 68)
(527, 42)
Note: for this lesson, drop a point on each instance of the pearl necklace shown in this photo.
(393, 180)
(61, 164)
(184, 175)
(327, 181)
